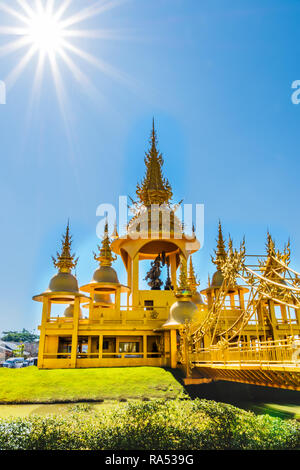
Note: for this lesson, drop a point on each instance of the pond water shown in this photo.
(282, 410)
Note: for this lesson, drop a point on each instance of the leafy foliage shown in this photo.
(153, 425)
(23, 336)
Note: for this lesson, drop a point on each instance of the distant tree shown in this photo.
(23, 336)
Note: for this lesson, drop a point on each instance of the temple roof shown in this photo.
(154, 189)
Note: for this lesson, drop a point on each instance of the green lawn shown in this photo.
(30, 385)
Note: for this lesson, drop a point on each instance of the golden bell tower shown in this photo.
(144, 330)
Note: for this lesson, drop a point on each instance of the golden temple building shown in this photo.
(244, 326)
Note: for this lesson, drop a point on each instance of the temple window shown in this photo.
(130, 347)
(82, 344)
(64, 344)
(148, 304)
(109, 344)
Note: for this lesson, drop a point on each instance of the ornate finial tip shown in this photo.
(65, 261)
(105, 256)
(154, 189)
(184, 287)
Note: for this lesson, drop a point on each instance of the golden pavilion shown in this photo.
(215, 333)
(145, 330)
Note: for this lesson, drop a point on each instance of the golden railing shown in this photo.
(277, 352)
(106, 355)
(126, 315)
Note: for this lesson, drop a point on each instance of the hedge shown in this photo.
(153, 425)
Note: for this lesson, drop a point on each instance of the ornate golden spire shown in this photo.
(64, 261)
(220, 252)
(192, 279)
(270, 245)
(105, 256)
(115, 234)
(154, 189)
(183, 287)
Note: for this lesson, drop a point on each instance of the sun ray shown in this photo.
(93, 10)
(39, 6)
(13, 46)
(14, 13)
(61, 10)
(47, 31)
(96, 33)
(37, 83)
(12, 31)
(60, 91)
(39, 73)
(79, 75)
(62, 100)
(49, 7)
(19, 68)
(27, 9)
(36, 88)
(96, 62)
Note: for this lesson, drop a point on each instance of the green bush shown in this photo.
(153, 425)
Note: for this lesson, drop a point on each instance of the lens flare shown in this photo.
(48, 29)
(45, 32)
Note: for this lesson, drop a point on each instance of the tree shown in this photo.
(23, 336)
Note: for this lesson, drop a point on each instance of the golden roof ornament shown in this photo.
(183, 289)
(105, 256)
(270, 266)
(115, 234)
(192, 279)
(220, 252)
(270, 245)
(64, 261)
(233, 262)
(154, 189)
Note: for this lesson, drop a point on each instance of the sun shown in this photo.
(46, 30)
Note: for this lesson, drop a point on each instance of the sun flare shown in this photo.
(47, 30)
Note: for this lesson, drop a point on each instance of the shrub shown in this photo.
(151, 425)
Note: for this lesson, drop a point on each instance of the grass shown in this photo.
(31, 385)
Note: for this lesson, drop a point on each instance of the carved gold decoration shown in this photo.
(105, 256)
(192, 279)
(154, 189)
(64, 261)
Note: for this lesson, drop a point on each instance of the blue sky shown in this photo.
(217, 77)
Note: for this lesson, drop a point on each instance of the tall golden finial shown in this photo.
(220, 252)
(192, 279)
(64, 261)
(183, 287)
(115, 234)
(154, 189)
(270, 245)
(286, 256)
(105, 256)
